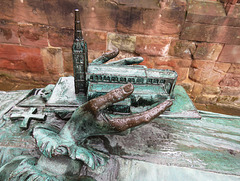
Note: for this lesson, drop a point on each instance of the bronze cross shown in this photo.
(27, 117)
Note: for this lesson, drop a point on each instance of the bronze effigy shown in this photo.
(90, 126)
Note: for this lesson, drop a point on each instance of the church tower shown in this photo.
(80, 57)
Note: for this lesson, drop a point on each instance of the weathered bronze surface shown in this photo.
(80, 57)
(79, 128)
(62, 148)
(173, 146)
(98, 78)
(27, 117)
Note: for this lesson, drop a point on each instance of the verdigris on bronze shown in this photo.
(86, 120)
(80, 57)
(62, 148)
(27, 117)
(63, 153)
(151, 85)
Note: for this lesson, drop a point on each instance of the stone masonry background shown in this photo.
(198, 39)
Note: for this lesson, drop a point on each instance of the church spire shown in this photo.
(80, 57)
(78, 29)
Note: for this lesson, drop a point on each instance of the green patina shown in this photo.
(206, 147)
(81, 124)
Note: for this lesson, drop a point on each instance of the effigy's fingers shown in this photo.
(105, 57)
(127, 61)
(123, 123)
(113, 96)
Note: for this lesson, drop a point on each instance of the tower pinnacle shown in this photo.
(80, 57)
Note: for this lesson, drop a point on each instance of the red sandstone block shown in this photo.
(184, 63)
(206, 13)
(171, 64)
(211, 9)
(207, 51)
(171, 21)
(230, 8)
(231, 21)
(214, 78)
(94, 14)
(92, 55)
(182, 74)
(53, 61)
(182, 49)
(226, 34)
(180, 5)
(211, 33)
(150, 21)
(206, 99)
(230, 54)
(130, 20)
(122, 41)
(212, 13)
(6, 10)
(235, 69)
(231, 80)
(134, 16)
(60, 13)
(195, 74)
(148, 61)
(155, 46)
(153, 4)
(158, 62)
(230, 100)
(166, 62)
(222, 67)
(8, 32)
(197, 89)
(139, 3)
(203, 64)
(230, 91)
(13, 57)
(213, 20)
(197, 32)
(214, 90)
(67, 59)
(96, 40)
(29, 11)
(236, 11)
(99, 16)
(206, 76)
(34, 36)
(61, 37)
(165, 67)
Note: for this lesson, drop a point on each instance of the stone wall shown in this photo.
(214, 73)
(195, 38)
